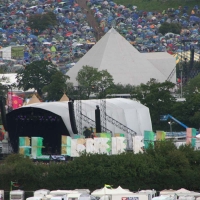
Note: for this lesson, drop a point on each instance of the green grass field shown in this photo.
(158, 5)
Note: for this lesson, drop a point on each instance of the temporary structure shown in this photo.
(101, 192)
(106, 191)
(64, 98)
(131, 113)
(184, 192)
(167, 192)
(120, 190)
(33, 99)
(125, 63)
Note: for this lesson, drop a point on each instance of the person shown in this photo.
(87, 132)
(1, 134)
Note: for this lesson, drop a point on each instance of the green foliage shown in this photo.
(158, 5)
(120, 89)
(192, 86)
(92, 80)
(42, 21)
(57, 87)
(157, 97)
(36, 75)
(170, 27)
(163, 166)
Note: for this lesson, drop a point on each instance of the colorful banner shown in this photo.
(105, 144)
(24, 146)
(17, 102)
(14, 101)
(191, 136)
(160, 135)
(149, 137)
(37, 145)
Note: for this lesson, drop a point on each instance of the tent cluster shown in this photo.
(62, 44)
(72, 37)
(141, 28)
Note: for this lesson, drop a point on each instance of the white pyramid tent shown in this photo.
(125, 63)
(120, 190)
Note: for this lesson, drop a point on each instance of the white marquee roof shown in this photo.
(125, 63)
(128, 112)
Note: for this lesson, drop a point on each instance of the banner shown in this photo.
(37, 145)
(149, 137)
(17, 102)
(191, 136)
(14, 101)
(138, 144)
(24, 146)
(160, 135)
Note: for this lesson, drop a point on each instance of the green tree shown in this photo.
(92, 80)
(57, 87)
(170, 27)
(42, 21)
(36, 75)
(157, 97)
(192, 86)
(120, 89)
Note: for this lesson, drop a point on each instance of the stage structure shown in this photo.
(49, 122)
(52, 120)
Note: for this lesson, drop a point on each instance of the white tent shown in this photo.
(106, 191)
(101, 192)
(120, 190)
(125, 63)
(184, 192)
(180, 192)
(163, 197)
(167, 192)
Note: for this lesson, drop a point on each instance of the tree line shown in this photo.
(163, 166)
(50, 84)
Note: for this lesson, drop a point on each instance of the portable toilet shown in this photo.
(41, 193)
(17, 195)
(1, 194)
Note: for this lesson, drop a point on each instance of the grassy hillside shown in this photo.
(159, 5)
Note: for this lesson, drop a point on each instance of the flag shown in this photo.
(108, 186)
(14, 101)
(17, 102)
(13, 184)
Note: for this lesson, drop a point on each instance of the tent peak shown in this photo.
(33, 99)
(64, 98)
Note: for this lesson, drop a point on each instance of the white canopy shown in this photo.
(163, 197)
(184, 192)
(180, 192)
(106, 191)
(101, 192)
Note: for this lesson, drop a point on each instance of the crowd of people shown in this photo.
(72, 37)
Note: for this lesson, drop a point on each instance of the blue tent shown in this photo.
(194, 18)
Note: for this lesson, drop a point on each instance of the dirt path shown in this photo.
(91, 19)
